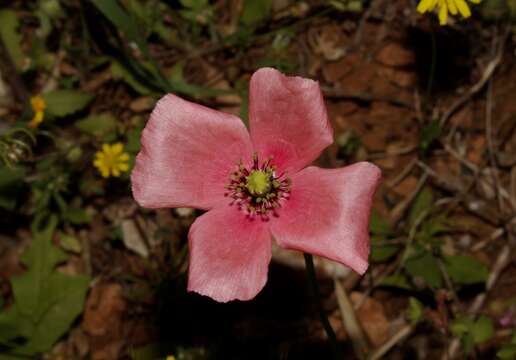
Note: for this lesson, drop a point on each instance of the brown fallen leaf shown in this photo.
(103, 321)
(143, 103)
(393, 54)
(371, 316)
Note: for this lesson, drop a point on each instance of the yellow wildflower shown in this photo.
(112, 160)
(171, 357)
(446, 7)
(38, 107)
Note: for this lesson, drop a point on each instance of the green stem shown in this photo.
(310, 270)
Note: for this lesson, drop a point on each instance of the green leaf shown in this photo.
(12, 39)
(119, 72)
(430, 229)
(465, 269)
(66, 102)
(381, 253)
(70, 243)
(399, 281)
(125, 23)
(63, 300)
(461, 325)
(181, 85)
(133, 140)
(255, 12)
(98, 124)
(11, 185)
(512, 7)
(77, 216)
(472, 332)
(147, 352)
(347, 5)
(482, 330)
(40, 259)
(8, 327)
(422, 204)
(429, 134)
(415, 311)
(46, 302)
(197, 11)
(507, 352)
(52, 8)
(425, 266)
(495, 9)
(378, 225)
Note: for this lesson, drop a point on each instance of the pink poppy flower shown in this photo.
(255, 185)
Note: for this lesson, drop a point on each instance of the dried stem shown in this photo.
(351, 323)
(385, 348)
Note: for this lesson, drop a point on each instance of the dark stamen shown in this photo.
(263, 203)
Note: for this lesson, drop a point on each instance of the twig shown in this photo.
(411, 236)
(477, 206)
(490, 146)
(357, 41)
(494, 235)
(351, 323)
(486, 75)
(501, 191)
(501, 262)
(406, 170)
(382, 155)
(399, 210)
(385, 348)
(335, 94)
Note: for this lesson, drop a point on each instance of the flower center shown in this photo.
(258, 182)
(258, 190)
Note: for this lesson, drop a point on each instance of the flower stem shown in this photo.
(310, 270)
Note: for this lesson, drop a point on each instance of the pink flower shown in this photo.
(255, 185)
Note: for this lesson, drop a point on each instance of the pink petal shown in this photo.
(188, 152)
(229, 255)
(288, 119)
(328, 213)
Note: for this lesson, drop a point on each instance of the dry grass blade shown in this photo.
(351, 324)
(385, 348)
(486, 75)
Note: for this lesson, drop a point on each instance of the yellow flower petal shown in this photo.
(426, 5)
(447, 7)
(111, 161)
(100, 155)
(452, 6)
(106, 148)
(463, 8)
(117, 148)
(123, 167)
(443, 14)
